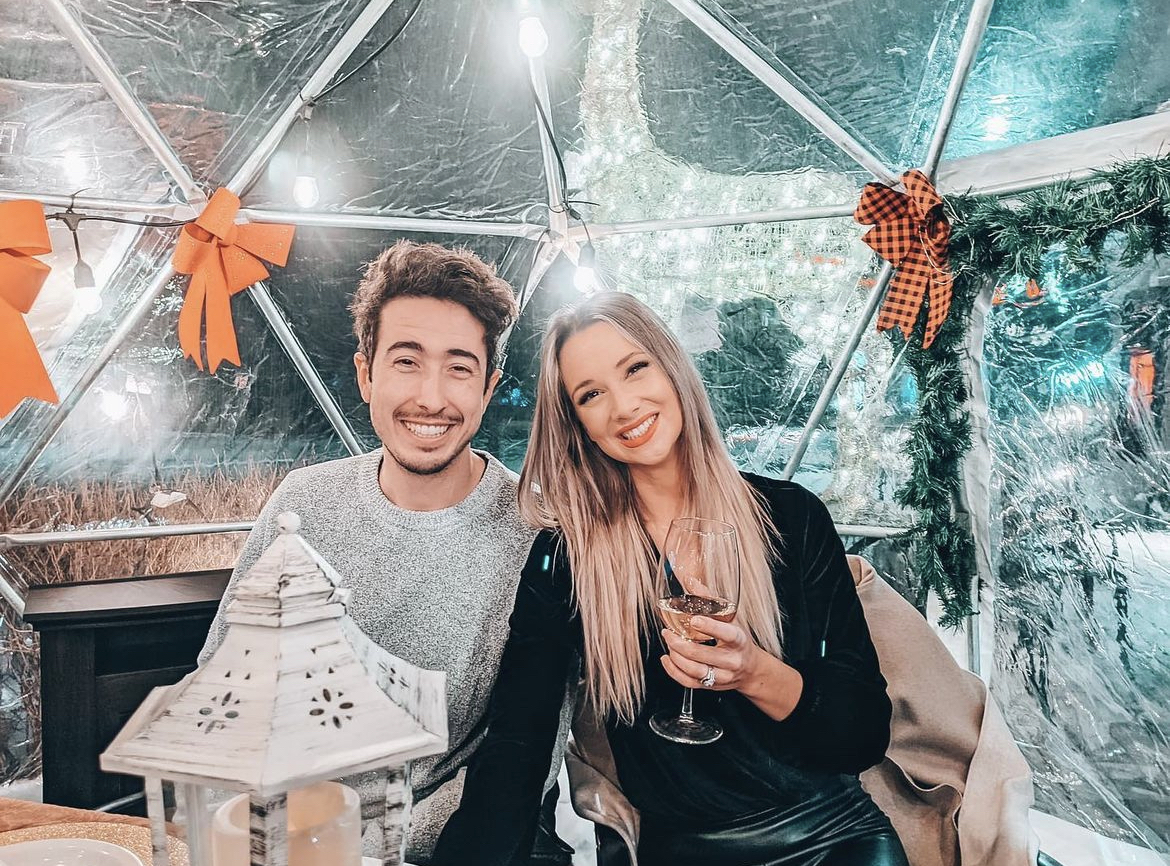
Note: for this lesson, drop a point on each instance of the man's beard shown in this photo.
(424, 469)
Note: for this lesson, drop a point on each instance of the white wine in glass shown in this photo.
(698, 575)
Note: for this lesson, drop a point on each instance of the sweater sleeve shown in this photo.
(496, 820)
(842, 719)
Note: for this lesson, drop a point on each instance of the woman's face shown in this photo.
(621, 395)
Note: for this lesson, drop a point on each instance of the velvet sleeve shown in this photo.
(841, 722)
(496, 820)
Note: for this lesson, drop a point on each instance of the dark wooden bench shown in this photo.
(104, 646)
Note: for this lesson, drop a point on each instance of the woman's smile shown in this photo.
(639, 433)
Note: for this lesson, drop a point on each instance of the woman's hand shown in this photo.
(732, 659)
(736, 662)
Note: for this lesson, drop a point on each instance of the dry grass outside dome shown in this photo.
(214, 496)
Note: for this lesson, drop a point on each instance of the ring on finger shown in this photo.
(708, 680)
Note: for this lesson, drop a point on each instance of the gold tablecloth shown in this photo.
(21, 821)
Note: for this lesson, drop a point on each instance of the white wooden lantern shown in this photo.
(296, 694)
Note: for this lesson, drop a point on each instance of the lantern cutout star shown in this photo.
(294, 695)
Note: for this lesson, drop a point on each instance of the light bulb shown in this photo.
(76, 169)
(88, 300)
(83, 275)
(305, 192)
(996, 127)
(533, 38)
(585, 277)
(114, 405)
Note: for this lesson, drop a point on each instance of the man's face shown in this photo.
(425, 383)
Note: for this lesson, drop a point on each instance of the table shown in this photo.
(19, 814)
(22, 815)
(21, 820)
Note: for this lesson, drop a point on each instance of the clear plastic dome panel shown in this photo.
(215, 76)
(50, 106)
(1048, 67)
(1081, 506)
(879, 68)
(673, 126)
(442, 124)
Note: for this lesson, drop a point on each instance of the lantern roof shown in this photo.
(286, 699)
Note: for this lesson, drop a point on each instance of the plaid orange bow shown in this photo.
(223, 258)
(911, 233)
(23, 234)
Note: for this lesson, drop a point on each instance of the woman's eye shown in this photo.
(635, 367)
(586, 397)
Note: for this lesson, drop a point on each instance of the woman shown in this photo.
(623, 441)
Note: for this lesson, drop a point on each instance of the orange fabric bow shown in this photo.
(23, 234)
(911, 233)
(223, 258)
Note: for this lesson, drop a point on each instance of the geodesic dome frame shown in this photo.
(145, 280)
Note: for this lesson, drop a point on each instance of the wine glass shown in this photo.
(698, 575)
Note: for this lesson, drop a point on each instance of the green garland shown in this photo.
(994, 240)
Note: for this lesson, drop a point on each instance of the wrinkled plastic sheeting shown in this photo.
(50, 108)
(443, 124)
(1081, 540)
(1045, 69)
(670, 125)
(19, 698)
(214, 77)
(879, 68)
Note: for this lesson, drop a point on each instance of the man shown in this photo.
(425, 531)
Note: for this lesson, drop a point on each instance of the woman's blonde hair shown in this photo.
(569, 484)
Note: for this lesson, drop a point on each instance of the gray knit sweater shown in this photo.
(435, 588)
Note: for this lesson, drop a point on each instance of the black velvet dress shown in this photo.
(767, 793)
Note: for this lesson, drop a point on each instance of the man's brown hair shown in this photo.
(414, 270)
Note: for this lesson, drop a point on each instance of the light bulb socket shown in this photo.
(587, 258)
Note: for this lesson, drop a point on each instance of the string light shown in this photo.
(531, 34)
(88, 299)
(305, 192)
(585, 277)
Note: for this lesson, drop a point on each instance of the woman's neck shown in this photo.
(660, 496)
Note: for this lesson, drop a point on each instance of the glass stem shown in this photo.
(688, 697)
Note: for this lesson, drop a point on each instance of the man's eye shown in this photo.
(461, 371)
(404, 362)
